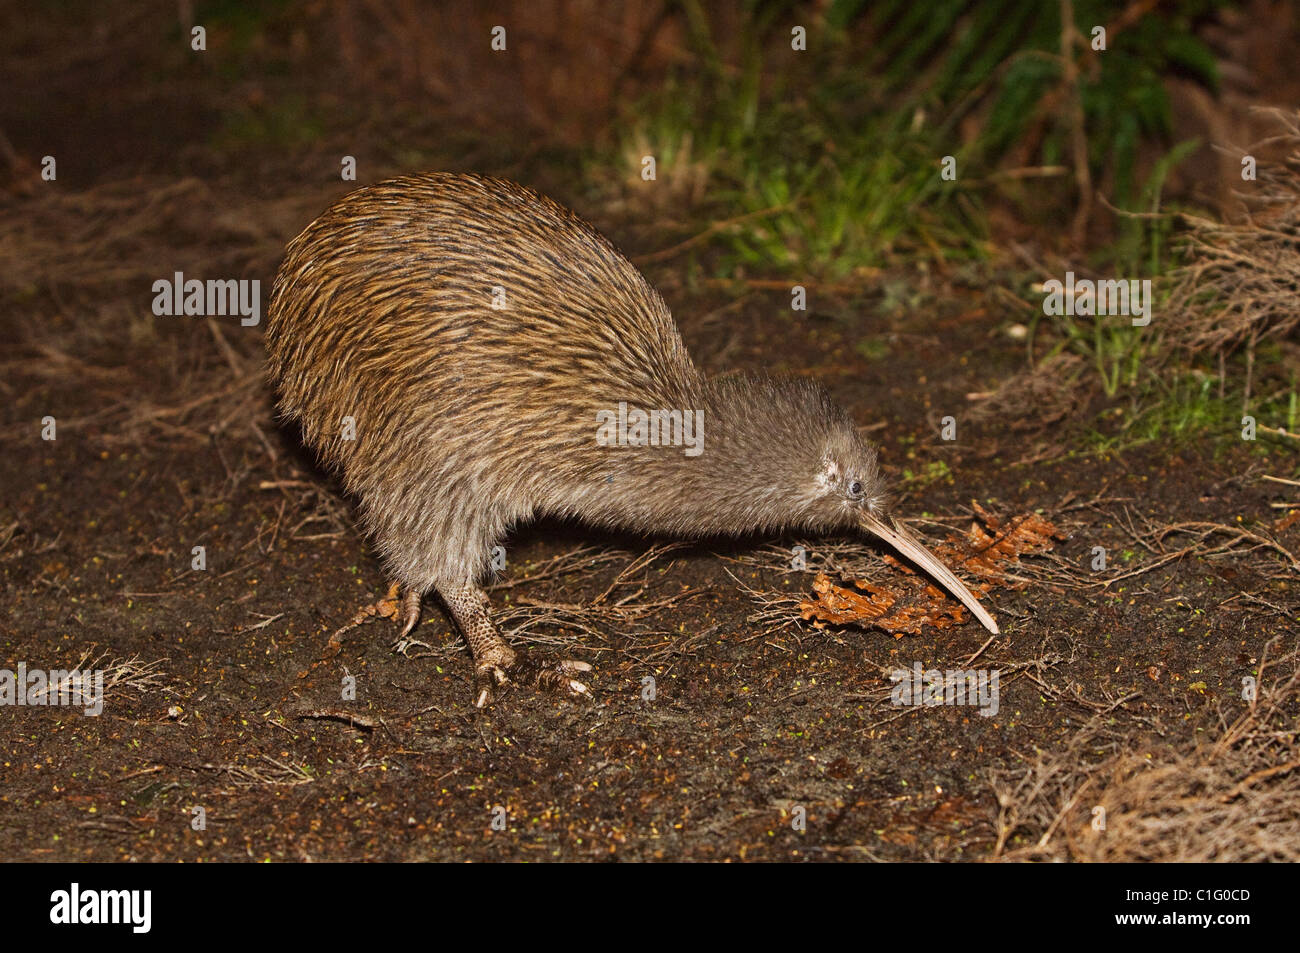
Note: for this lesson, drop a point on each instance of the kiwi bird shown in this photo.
(469, 355)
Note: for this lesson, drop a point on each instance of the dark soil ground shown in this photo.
(167, 441)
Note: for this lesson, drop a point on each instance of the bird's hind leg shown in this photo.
(495, 662)
(395, 605)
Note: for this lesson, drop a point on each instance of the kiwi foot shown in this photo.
(394, 605)
(406, 607)
(499, 665)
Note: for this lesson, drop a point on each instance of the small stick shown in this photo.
(338, 714)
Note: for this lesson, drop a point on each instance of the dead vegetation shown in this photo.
(625, 607)
(77, 270)
(1102, 799)
(264, 771)
(1172, 542)
(910, 601)
(890, 595)
(1124, 786)
(1057, 387)
(1239, 286)
(76, 275)
(1233, 292)
(122, 677)
(625, 611)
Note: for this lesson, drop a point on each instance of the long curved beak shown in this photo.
(910, 546)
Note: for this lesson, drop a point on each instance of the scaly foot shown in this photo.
(498, 665)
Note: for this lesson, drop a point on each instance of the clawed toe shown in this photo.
(403, 648)
(487, 679)
(410, 612)
(526, 670)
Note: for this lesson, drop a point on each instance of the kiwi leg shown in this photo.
(495, 662)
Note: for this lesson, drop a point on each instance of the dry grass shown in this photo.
(1235, 799)
(1058, 388)
(624, 607)
(121, 236)
(122, 676)
(1263, 549)
(76, 275)
(625, 610)
(265, 771)
(1239, 287)
(1235, 290)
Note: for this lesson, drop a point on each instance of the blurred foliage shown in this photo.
(1114, 346)
(245, 22)
(952, 54)
(835, 171)
(288, 123)
(1189, 407)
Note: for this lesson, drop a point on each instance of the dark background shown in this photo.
(1121, 687)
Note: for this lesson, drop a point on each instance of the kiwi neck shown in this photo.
(730, 461)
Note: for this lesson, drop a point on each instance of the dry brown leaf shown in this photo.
(911, 601)
(1286, 522)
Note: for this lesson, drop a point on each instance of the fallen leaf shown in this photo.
(911, 601)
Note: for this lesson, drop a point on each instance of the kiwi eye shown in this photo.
(855, 489)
